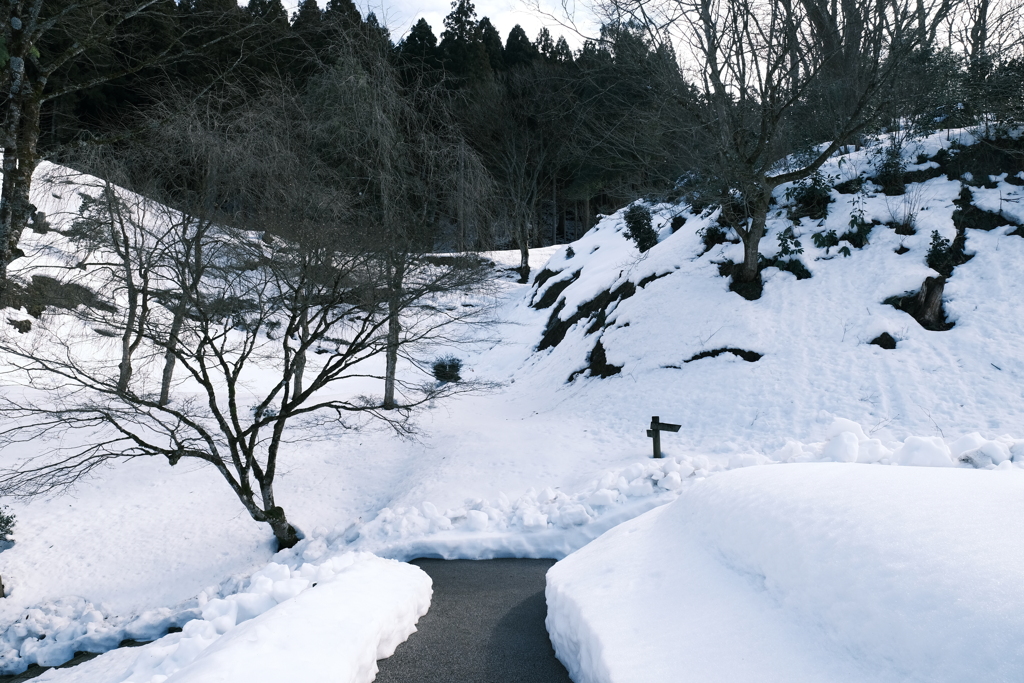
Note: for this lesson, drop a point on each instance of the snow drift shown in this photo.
(804, 572)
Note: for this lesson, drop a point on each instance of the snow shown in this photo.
(804, 572)
(534, 464)
(326, 622)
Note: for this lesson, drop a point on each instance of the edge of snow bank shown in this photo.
(803, 573)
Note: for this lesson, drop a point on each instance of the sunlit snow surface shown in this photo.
(804, 573)
(539, 465)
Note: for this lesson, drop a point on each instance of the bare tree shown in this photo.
(413, 173)
(778, 78)
(266, 291)
(59, 48)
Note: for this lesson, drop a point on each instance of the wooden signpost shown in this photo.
(657, 427)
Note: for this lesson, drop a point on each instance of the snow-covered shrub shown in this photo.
(940, 256)
(891, 171)
(789, 244)
(7, 520)
(825, 240)
(638, 227)
(712, 235)
(810, 196)
(446, 369)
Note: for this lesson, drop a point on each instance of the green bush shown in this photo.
(940, 256)
(892, 171)
(638, 227)
(789, 244)
(447, 368)
(712, 235)
(7, 520)
(825, 240)
(811, 197)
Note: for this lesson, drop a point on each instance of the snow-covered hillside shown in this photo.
(555, 454)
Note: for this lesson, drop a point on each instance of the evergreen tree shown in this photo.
(545, 44)
(343, 14)
(270, 11)
(308, 17)
(461, 49)
(491, 40)
(420, 46)
(518, 48)
(377, 34)
(562, 53)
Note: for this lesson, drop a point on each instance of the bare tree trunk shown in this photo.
(169, 354)
(979, 36)
(284, 532)
(462, 196)
(554, 211)
(300, 356)
(396, 280)
(751, 237)
(20, 139)
(125, 366)
(929, 303)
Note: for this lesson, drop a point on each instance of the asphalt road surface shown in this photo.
(485, 625)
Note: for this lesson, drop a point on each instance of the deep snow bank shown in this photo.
(323, 622)
(804, 572)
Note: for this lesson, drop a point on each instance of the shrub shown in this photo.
(858, 233)
(892, 171)
(811, 197)
(446, 369)
(825, 240)
(940, 256)
(7, 520)
(795, 266)
(789, 244)
(638, 227)
(712, 235)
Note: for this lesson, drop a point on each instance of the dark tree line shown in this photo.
(561, 134)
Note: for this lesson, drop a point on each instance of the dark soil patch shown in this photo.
(543, 276)
(595, 309)
(749, 356)
(851, 186)
(885, 340)
(967, 215)
(651, 278)
(597, 364)
(22, 326)
(922, 175)
(901, 250)
(552, 293)
(983, 159)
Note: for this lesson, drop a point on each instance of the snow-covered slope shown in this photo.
(554, 455)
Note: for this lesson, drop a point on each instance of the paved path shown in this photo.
(485, 625)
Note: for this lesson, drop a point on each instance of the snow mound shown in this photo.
(358, 608)
(804, 572)
(545, 523)
(323, 622)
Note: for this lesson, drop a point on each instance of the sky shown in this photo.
(400, 15)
